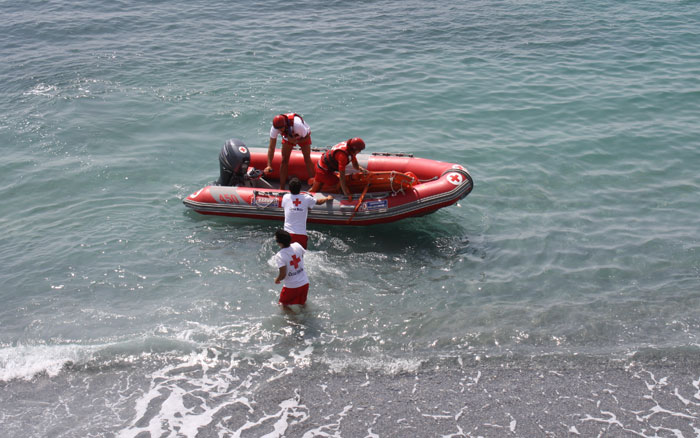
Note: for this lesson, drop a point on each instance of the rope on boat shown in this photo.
(359, 202)
(394, 192)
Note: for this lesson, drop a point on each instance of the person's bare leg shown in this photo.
(286, 153)
(316, 187)
(306, 151)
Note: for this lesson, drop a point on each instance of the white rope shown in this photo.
(391, 182)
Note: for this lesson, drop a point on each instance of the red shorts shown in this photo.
(326, 177)
(306, 141)
(301, 239)
(294, 295)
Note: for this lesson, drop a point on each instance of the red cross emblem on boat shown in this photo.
(242, 149)
(455, 178)
(296, 202)
(295, 261)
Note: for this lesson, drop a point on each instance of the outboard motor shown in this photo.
(233, 163)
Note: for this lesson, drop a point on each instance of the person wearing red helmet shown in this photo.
(294, 132)
(334, 160)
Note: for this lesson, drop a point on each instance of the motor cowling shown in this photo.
(234, 159)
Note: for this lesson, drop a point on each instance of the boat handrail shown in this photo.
(393, 154)
(377, 154)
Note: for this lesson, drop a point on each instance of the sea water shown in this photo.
(560, 298)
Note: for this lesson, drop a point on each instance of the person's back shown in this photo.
(294, 255)
(296, 210)
(290, 261)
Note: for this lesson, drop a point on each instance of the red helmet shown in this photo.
(356, 144)
(279, 121)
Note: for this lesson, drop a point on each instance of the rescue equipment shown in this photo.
(396, 187)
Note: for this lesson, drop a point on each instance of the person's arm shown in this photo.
(344, 185)
(270, 154)
(356, 165)
(282, 273)
(321, 201)
(342, 160)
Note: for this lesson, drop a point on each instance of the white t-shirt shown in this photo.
(300, 130)
(293, 258)
(296, 209)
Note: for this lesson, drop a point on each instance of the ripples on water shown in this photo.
(579, 242)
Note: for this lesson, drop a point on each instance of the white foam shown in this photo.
(218, 270)
(303, 357)
(26, 361)
(172, 405)
(390, 366)
(317, 263)
(460, 433)
(683, 400)
(174, 417)
(334, 426)
(41, 90)
(172, 382)
(273, 263)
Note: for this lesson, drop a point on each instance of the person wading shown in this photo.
(290, 261)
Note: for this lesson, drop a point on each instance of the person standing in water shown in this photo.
(290, 261)
(296, 209)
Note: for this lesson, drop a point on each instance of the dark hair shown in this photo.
(294, 186)
(283, 237)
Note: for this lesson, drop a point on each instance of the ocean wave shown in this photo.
(25, 362)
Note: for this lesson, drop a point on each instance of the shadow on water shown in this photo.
(435, 236)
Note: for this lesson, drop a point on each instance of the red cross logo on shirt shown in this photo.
(296, 202)
(295, 261)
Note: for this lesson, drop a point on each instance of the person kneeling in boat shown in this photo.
(296, 209)
(290, 261)
(294, 132)
(334, 160)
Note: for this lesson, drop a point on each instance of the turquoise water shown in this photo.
(126, 314)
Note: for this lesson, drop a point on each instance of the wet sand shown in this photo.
(211, 396)
(490, 402)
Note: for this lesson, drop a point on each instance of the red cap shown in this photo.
(279, 121)
(356, 144)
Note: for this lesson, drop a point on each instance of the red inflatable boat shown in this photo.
(397, 186)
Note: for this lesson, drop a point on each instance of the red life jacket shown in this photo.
(288, 130)
(328, 161)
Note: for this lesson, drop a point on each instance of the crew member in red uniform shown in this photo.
(294, 132)
(335, 160)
